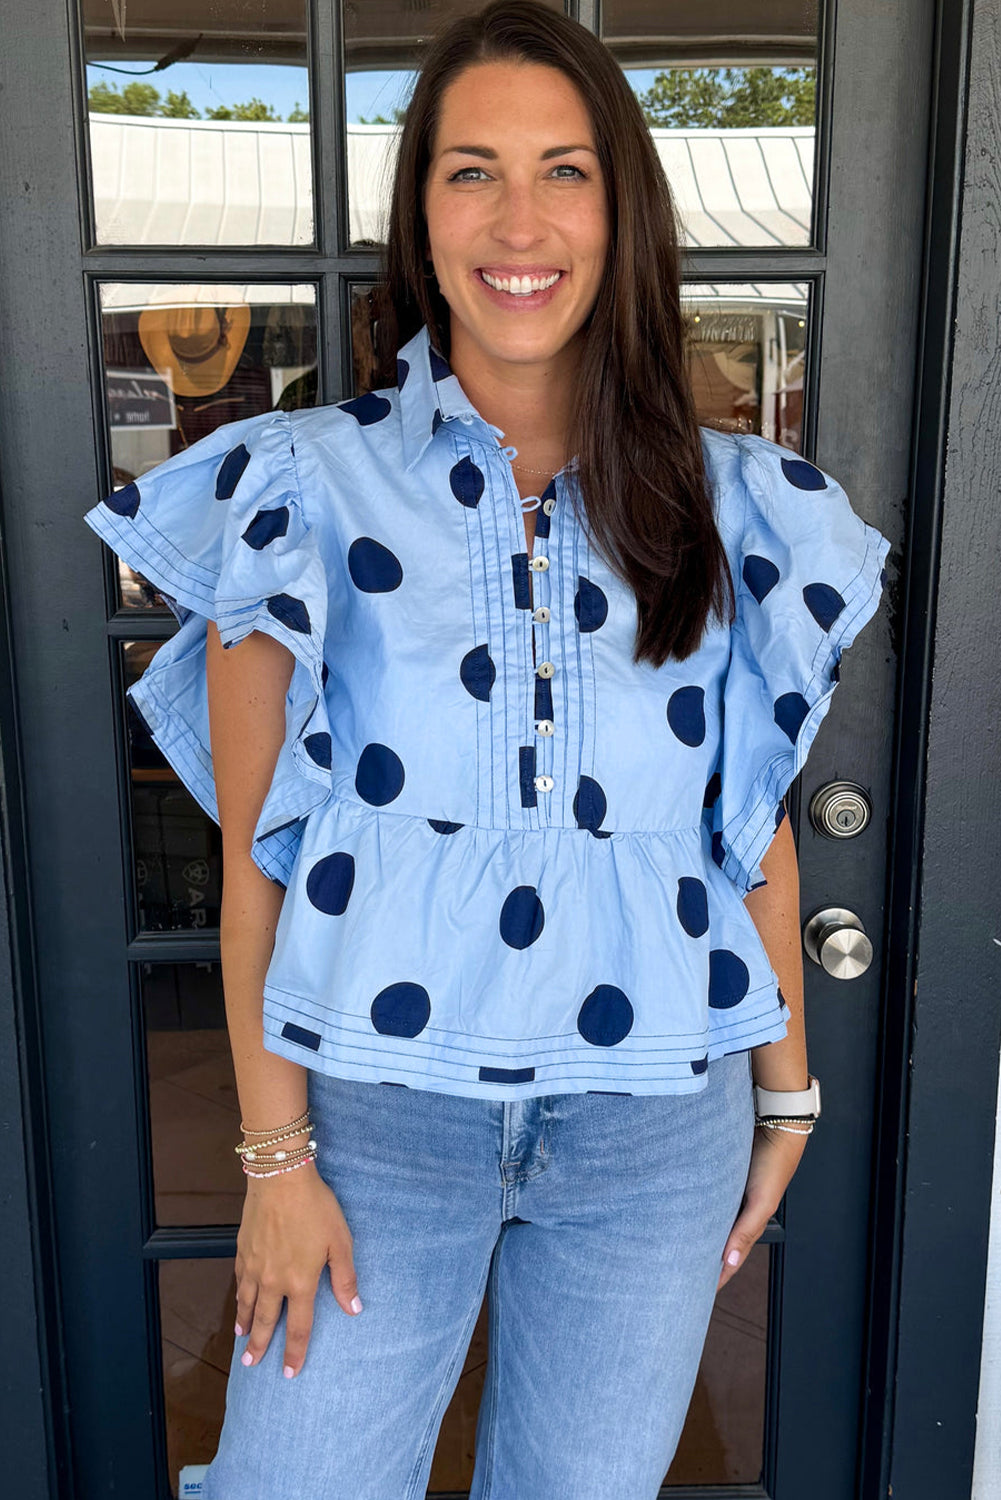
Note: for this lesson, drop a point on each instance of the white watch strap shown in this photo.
(791, 1102)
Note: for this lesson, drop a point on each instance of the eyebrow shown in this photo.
(489, 155)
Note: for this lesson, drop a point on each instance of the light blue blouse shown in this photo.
(504, 878)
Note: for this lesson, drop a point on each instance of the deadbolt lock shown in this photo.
(840, 810)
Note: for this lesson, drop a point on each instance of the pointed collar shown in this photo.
(430, 395)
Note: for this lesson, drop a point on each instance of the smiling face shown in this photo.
(517, 214)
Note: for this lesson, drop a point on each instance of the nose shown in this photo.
(518, 222)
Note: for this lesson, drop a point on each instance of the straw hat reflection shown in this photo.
(198, 347)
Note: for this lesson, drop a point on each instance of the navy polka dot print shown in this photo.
(824, 603)
(124, 502)
(379, 776)
(606, 1017)
(477, 673)
(330, 882)
(466, 482)
(266, 527)
(401, 1010)
(373, 568)
(802, 474)
(760, 574)
(458, 911)
(790, 711)
(318, 748)
(367, 409)
(693, 906)
(290, 612)
(590, 605)
(589, 804)
(728, 979)
(686, 714)
(522, 917)
(231, 472)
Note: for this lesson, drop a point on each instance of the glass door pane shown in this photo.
(729, 92)
(199, 122)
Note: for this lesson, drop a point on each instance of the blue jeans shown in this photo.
(597, 1222)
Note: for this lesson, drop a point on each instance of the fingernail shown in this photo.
(288, 1372)
(356, 1304)
(238, 1331)
(247, 1358)
(733, 1258)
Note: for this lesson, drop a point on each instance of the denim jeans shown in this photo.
(596, 1221)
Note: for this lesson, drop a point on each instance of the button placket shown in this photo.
(546, 669)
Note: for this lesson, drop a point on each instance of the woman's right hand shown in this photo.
(292, 1228)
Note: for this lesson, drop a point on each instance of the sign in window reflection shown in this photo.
(199, 124)
(747, 357)
(180, 361)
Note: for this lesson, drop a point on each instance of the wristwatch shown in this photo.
(803, 1103)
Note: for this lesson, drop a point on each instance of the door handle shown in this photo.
(836, 940)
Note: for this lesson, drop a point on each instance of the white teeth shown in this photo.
(520, 286)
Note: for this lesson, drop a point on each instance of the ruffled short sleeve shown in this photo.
(220, 530)
(810, 577)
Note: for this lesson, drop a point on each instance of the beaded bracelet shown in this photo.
(249, 1147)
(280, 1171)
(791, 1129)
(295, 1126)
(269, 1158)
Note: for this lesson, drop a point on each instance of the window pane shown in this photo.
(181, 360)
(177, 848)
(193, 1106)
(197, 1312)
(748, 357)
(729, 92)
(199, 122)
(382, 44)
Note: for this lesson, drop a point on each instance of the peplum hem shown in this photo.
(671, 970)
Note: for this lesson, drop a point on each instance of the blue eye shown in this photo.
(566, 166)
(460, 176)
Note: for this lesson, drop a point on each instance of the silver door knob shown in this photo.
(836, 940)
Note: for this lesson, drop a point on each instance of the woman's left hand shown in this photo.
(775, 1155)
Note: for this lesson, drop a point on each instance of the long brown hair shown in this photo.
(633, 428)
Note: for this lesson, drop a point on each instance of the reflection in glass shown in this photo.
(193, 1106)
(382, 48)
(199, 124)
(197, 1303)
(179, 361)
(747, 349)
(177, 848)
(729, 92)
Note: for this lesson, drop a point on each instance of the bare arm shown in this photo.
(292, 1225)
(781, 1065)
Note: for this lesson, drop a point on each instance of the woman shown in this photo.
(486, 841)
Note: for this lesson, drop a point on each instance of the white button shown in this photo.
(549, 506)
(545, 726)
(466, 417)
(539, 564)
(544, 783)
(545, 669)
(541, 616)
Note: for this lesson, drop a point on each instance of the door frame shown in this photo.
(68, 1226)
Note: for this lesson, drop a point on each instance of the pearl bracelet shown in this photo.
(791, 1129)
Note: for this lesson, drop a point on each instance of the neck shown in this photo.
(529, 402)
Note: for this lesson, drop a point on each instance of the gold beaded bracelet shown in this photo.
(293, 1126)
